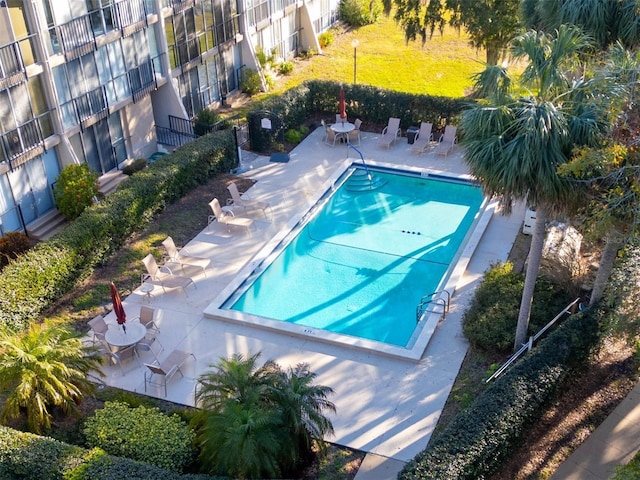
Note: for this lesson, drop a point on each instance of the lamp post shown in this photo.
(354, 44)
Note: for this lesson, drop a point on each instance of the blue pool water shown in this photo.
(362, 263)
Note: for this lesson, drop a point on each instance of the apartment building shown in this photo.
(93, 81)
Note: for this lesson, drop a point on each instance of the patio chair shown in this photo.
(228, 218)
(423, 138)
(121, 355)
(146, 318)
(354, 135)
(99, 327)
(447, 140)
(331, 137)
(163, 276)
(159, 374)
(390, 133)
(182, 257)
(237, 200)
(146, 347)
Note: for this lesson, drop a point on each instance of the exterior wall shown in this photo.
(90, 80)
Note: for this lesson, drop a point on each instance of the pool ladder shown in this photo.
(434, 302)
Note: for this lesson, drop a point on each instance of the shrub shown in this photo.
(480, 438)
(141, 433)
(30, 457)
(490, 322)
(360, 12)
(135, 166)
(326, 38)
(204, 121)
(75, 190)
(293, 136)
(285, 68)
(250, 83)
(12, 244)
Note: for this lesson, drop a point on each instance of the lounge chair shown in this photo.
(423, 138)
(228, 218)
(390, 133)
(182, 257)
(163, 276)
(354, 135)
(99, 328)
(239, 201)
(447, 140)
(159, 374)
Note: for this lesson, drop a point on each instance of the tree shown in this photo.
(605, 21)
(42, 367)
(491, 24)
(513, 146)
(259, 422)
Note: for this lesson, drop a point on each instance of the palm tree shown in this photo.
(515, 145)
(259, 422)
(42, 367)
(302, 405)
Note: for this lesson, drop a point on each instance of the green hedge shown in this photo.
(32, 282)
(371, 104)
(26, 456)
(481, 437)
(141, 433)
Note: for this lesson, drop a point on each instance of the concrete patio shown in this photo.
(386, 407)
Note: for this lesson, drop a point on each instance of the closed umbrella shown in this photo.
(121, 315)
(343, 106)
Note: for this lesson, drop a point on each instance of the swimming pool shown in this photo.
(355, 267)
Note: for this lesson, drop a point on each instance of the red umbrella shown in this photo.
(343, 106)
(121, 315)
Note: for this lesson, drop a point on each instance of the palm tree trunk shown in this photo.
(533, 266)
(615, 242)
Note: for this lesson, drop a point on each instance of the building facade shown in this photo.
(89, 81)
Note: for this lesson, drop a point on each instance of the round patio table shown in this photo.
(343, 127)
(116, 337)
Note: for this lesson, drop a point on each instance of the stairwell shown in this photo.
(46, 226)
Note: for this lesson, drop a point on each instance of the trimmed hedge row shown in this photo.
(375, 105)
(32, 282)
(484, 435)
(26, 456)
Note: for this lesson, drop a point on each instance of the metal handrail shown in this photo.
(427, 299)
(529, 344)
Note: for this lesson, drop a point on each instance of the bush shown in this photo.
(326, 38)
(135, 166)
(360, 12)
(293, 136)
(490, 322)
(75, 190)
(12, 244)
(26, 456)
(285, 68)
(480, 438)
(141, 433)
(250, 82)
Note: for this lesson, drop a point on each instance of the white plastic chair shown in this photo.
(228, 218)
(423, 139)
(238, 200)
(390, 133)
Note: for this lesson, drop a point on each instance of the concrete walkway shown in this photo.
(613, 443)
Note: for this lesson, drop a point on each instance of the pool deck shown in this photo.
(387, 407)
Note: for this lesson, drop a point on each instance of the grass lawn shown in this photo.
(443, 66)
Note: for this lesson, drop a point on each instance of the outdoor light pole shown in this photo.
(354, 44)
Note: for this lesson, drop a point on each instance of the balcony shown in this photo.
(227, 30)
(23, 143)
(12, 71)
(187, 52)
(259, 13)
(91, 107)
(131, 15)
(142, 80)
(77, 37)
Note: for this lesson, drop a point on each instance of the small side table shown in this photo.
(147, 288)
